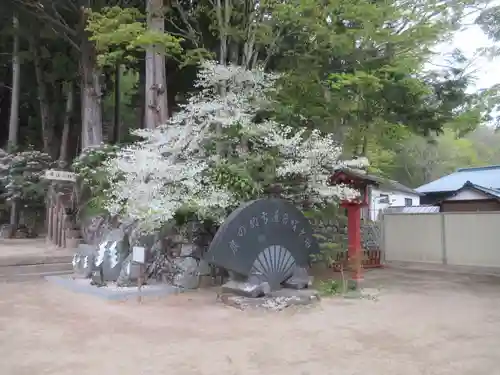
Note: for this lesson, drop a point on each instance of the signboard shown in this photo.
(139, 254)
(52, 174)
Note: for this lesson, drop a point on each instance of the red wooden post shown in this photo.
(359, 181)
(354, 249)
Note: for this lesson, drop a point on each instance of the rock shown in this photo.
(275, 301)
(187, 250)
(253, 287)
(206, 281)
(204, 268)
(5, 231)
(129, 273)
(300, 279)
(83, 261)
(186, 275)
(97, 278)
(111, 261)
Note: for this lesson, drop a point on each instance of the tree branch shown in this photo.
(194, 35)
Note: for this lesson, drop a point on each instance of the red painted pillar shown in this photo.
(354, 250)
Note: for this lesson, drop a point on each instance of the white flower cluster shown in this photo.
(21, 174)
(169, 169)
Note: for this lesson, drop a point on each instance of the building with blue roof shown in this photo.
(467, 189)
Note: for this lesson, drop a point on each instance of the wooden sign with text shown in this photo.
(52, 174)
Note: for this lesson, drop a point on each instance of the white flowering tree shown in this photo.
(21, 175)
(216, 152)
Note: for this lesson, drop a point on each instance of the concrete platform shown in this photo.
(111, 291)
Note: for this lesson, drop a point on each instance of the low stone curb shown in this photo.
(112, 292)
(31, 260)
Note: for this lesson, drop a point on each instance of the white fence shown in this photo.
(451, 238)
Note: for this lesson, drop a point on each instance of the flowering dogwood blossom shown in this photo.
(173, 167)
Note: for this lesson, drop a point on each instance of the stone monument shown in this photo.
(83, 261)
(265, 245)
(111, 253)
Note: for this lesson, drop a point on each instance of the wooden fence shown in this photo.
(371, 259)
(57, 219)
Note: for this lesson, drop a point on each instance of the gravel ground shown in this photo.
(422, 323)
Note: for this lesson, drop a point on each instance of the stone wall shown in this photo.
(176, 254)
(335, 230)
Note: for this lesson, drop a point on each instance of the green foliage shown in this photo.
(93, 178)
(119, 33)
(332, 241)
(129, 115)
(418, 160)
(331, 287)
(352, 68)
(22, 179)
(372, 80)
(236, 178)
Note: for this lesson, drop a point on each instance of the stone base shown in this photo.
(300, 279)
(257, 285)
(275, 300)
(251, 288)
(111, 291)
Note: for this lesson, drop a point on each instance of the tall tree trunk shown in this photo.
(223, 15)
(91, 93)
(115, 136)
(43, 100)
(14, 115)
(16, 86)
(75, 130)
(156, 82)
(141, 97)
(70, 99)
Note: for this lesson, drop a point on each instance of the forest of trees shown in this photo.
(77, 73)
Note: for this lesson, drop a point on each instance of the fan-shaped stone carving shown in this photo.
(274, 264)
(267, 239)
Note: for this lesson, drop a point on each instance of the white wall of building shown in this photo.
(466, 195)
(382, 198)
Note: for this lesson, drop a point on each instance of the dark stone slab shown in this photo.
(116, 250)
(265, 237)
(111, 292)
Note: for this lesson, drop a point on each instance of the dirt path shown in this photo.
(422, 324)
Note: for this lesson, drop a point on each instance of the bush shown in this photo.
(22, 179)
(93, 181)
